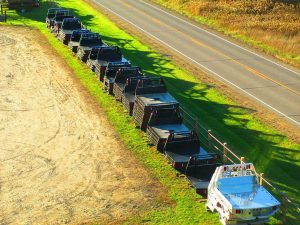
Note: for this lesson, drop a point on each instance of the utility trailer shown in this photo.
(180, 147)
(56, 23)
(150, 96)
(235, 193)
(115, 85)
(120, 87)
(163, 122)
(50, 15)
(68, 26)
(110, 70)
(13, 4)
(75, 38)
(55, 12)
(109, 55)
(200, 169)
(86, 43)
(129, 92)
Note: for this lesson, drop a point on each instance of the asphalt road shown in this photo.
(267, 81)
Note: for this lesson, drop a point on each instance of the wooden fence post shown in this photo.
(284, 208)
(261, 180)
(209, 140)
(225, 152)
(242, 160)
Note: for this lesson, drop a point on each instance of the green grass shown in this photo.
(271, 151)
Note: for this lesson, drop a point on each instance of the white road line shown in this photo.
(204, 67)
(206, 31)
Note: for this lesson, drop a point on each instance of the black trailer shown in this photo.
(180, 147)
(109, 55)
(115, 84)
(56, 12)
(111, 69)
(75, 38)
(129, 84)
(163, 122)
(200, 169)
(150, 95)
(129, 92)
(86, 43)
(50, 15)
(68, 26)
(56, 23)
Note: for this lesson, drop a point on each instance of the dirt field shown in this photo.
(60, 161)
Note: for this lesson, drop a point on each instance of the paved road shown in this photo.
(271, 83)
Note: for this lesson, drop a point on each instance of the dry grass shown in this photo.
(274, 23)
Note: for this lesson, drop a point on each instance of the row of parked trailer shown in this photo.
(232, 190)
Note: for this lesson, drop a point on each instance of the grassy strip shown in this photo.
(274, 154)
(287, 57)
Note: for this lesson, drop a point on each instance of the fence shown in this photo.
(289, 213)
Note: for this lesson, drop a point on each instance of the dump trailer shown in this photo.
(86, 43)
(106, 56)
(150, 96)
(12, 4)
(180, 147)
(129, 92)
(50, 15)
(235, 193)
(75, 38)
(162, 122)
(58, 19)
(68, 26)
(114, 85)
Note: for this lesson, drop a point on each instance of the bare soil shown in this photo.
(261, 113)
(60, 160)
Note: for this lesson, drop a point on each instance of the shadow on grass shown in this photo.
(228, 121)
